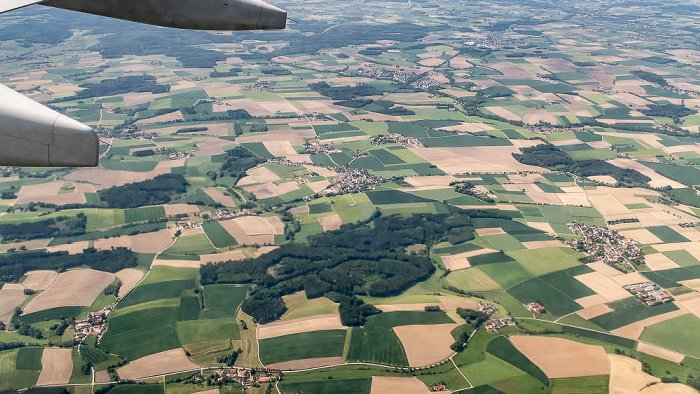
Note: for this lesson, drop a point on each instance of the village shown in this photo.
(353, 180)
(607, 245)
(396, 139)
(94, 324)
(649, 293)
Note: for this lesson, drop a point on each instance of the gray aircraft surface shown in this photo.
(32, 135)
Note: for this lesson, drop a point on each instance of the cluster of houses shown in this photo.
(180, 155)
(494, 324)
(426, 82)
(689, 224)
(244, 376)
(188, 224)
(536, 308)
(353, 180)
(649, 293)
(395, 139)
(94, 324)
(488, 309)
(262, 86)
(317, 147)
(546, 129)
(223, 214)
(605, 244)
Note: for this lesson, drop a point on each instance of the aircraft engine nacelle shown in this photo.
(32, 135)
(185, 14)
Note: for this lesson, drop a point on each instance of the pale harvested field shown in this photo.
(180, 209)
(177, 263)
(102, 377)
(49, 193)
(635, 330)
(221, 198)
(418, 307)
(590, 301)
(489, 159)
(171, 117)
(141, 243)
(610, 207)
(293, 137)
(629, 279)
(543, 226)
(318, 185)
(394, 385)
(212, 146)
(280, 148)
(263, 175)
(561, 358)
(11, 296)
(217, 258)
(658, 261)
(306, 363)
(692, 248)
(103, 179)
(691, 284)
(330, 223)
(296, 326)
(270, 190)
(543, 244)
(603, 285)
(689, 301)
(604, 268)
(39, 280)
(660, 352)
(426, 344)
(130, 278)
(504, 112)
(56, 366)
(423, 181)
(490, 231)
(594, 311)
(451, 303)
(238, 231)
(461, 261)
(657, 180)
(626, 377)
(169, 361)
(642, 236)
(138, 98)
(607, 179)
(74, 248)
(72, 288)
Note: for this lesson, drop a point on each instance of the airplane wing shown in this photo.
(9, 5)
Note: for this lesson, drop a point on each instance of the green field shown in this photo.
(189, 308)
(682, 257)
(143, 214)
(537, 290)
(10, 376)
(503, 349)
(222, 300)
(377, 342)
(218, 235)
(565, 282)
(142, 332)
(336, 386)
(157, 291)
(315, 344)
(506, 274)
(588, 384)
(679, 334)
(546, 260)
(472, 279)
(207, 330)
(194, 244)
(667, 234)
(52, 314)
(29, 358)
(505, 242)
(628, 311)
